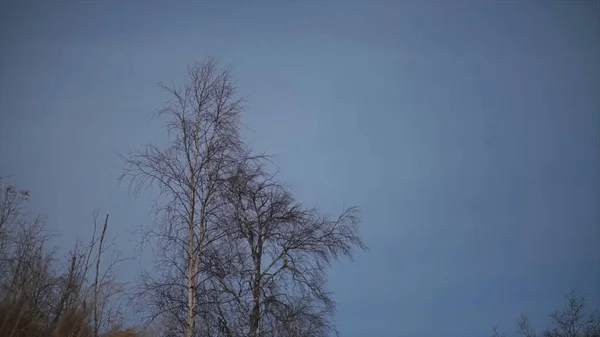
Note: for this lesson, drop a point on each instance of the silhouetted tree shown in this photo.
(270, 268)
(40, 298)
(237, 255)
(572, 321)
(203, 123)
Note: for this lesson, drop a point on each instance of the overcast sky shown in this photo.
(468, 132)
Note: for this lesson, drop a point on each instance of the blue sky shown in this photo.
(468, 132)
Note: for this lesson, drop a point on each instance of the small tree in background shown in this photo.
(573, 321)
(40, 295)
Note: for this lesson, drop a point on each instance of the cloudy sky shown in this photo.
(468, 132)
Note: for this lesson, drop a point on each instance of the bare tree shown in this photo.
(11, 202)
(573, 321)
(87, 283)
(524, 327)
(97, 278)
(12, 221)
(37, 296)
(570, 322)
(270, 268)
(203, 123)
(27, 271)
(497, 333)
(106, 293)
(236, 255)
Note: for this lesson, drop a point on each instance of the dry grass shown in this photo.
(20, 320)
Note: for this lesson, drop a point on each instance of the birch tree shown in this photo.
(271, 267)
(203, 124)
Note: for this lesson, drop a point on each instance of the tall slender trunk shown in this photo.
(191, 284)
(96, 309)
(255, 314)
(194, 248)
